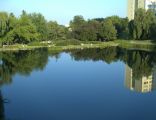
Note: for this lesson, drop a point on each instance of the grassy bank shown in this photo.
(59, 45)
(135, 44)
(75, 44)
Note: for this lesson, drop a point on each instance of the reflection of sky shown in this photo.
(64, 10)
(76, 90)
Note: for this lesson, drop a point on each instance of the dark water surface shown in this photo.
(89, 84)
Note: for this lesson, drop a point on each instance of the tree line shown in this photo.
(34, 27)
(28, 28)
(143, 27)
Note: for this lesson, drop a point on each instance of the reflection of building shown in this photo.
(143, 84)
(133, 5)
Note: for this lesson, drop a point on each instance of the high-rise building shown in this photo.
(150, 4)
(133, 5)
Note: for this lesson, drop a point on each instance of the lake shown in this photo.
(89, 84)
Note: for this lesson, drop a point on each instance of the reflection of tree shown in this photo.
(140, 61)
(108, 54)
(139, 65)
(55, 54)
(23, 62)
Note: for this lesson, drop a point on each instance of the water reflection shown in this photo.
(64, 89)
(140, 70)
(143, 84)
(22, 62)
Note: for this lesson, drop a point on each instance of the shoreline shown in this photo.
(142, 45)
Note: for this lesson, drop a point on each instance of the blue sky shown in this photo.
(63, 11)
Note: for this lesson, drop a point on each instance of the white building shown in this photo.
(150, 4)
(133, 5)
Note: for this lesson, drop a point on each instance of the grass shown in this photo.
(83, 45)
(76, 44)
(66, 42)
(135, 44)
(19, 47)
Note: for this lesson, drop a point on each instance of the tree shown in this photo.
(121, 25)
(76, 22)
(52, 30)
(23, 32)
(150, 26)
(140, 28)
(90, 30)
(12, 21)
(3, 23)
(76, 26)
(84, 30)
(56, 31)
(108, 31)
(153, 31)
(40, 23)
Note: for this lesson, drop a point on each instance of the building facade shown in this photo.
(133, 5)
(150, 4)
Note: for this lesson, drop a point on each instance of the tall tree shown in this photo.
(3, 23)
(23, 32)
(121, 25)
(76, 22)
(140, 27)
(41, 24)
(56, 31)
(108, 31)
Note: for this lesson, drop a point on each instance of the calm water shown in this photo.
(90, 84)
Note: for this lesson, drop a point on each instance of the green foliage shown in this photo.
(98, 29)
(34, 27)
(121, 25)
(23, 32)
(108, 31)
(76, 22)
(143, 26)
(28, 28)
(67, 42)
(12, 21)
(23, 62)
(41, 25)
(0, 42)
(56, 31)
(88, 31)
(4, 17)
(84, 30)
